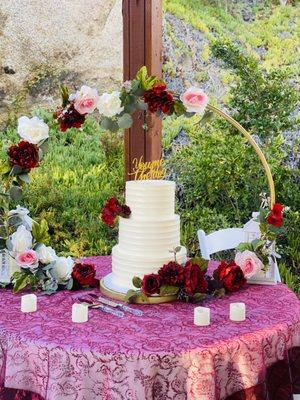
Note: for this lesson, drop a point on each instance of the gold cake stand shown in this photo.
(121, 296)
(165, 299)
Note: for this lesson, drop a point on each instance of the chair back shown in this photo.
(224, 239)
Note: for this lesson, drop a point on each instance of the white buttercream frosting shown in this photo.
(147, 238)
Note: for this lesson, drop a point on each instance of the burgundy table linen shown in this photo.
(161, 355)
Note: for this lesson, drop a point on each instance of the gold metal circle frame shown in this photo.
(158, 299)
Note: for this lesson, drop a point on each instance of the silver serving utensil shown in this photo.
(111, 303)
(102, 307)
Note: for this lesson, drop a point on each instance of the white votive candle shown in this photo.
(237, 312)
(29, 303)
(79, 313)
(202, 316)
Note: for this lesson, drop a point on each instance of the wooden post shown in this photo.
(142, 36)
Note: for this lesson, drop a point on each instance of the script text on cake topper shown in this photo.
(142, 170)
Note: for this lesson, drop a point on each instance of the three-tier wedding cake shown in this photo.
(147, 238)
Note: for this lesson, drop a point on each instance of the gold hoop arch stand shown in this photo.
(158, 299)
(255, 146)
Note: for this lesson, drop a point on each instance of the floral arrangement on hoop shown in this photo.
(143, 93)
(190, 282)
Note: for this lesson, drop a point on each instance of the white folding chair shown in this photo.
(224, 239)
(228, 239)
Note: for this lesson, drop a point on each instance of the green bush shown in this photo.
(264, 101)
(71, 185)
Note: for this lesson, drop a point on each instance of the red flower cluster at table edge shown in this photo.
(151, 284)
(24, 155)
(194, 279)
(112, 210)
(230, 275)
(69, 117)
(172, 274)
(275, 217)
(84, 274)
(159, 99)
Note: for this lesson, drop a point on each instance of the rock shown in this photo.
(44, 43)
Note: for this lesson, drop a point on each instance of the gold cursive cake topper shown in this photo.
(142, 170)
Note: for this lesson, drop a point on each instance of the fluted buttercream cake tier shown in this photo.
(147, 238)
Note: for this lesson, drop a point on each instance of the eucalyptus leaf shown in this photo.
(131, 296)
(14, 221)
(166, 290)
(125, 121)
(137, 282)
(24, 177)
(198, 297)
(44, 146)
(142, 106)
(16, 170)
(16, 193)
(109, 124)
(179, 108)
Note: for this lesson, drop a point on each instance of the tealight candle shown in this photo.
(79, 313)
(28, 303)
(201, 316)
(237, 312)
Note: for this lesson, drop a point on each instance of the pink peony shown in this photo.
(86, 100)
(27, 258)
(194, 100)
(249, 263)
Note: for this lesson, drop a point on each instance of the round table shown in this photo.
(161, 355)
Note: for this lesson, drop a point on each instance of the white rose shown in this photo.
(21, 240)
(23, 214)
(110, 105)
(33, 130)
(62, 269)
(46, 254)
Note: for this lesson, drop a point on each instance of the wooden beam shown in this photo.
(142, 37)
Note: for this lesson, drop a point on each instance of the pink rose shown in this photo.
(86, 100)
(249, 263)
(27, 258)
(194, 100)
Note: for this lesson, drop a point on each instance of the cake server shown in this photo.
(123, 307)
(102, 307)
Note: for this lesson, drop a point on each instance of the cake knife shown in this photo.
(103, 308)
(123, 307)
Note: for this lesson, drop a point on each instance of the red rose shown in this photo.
(84, 274)
(159, 99)
(69, 118)
(151, 284)
(125, 211)
(231, 276)
(172, 274)
(195, 281)
(108, 217)
(24, 154)
(275, 217)
(112, 209)
(113, 205)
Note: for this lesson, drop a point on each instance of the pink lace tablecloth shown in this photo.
(161, 355)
